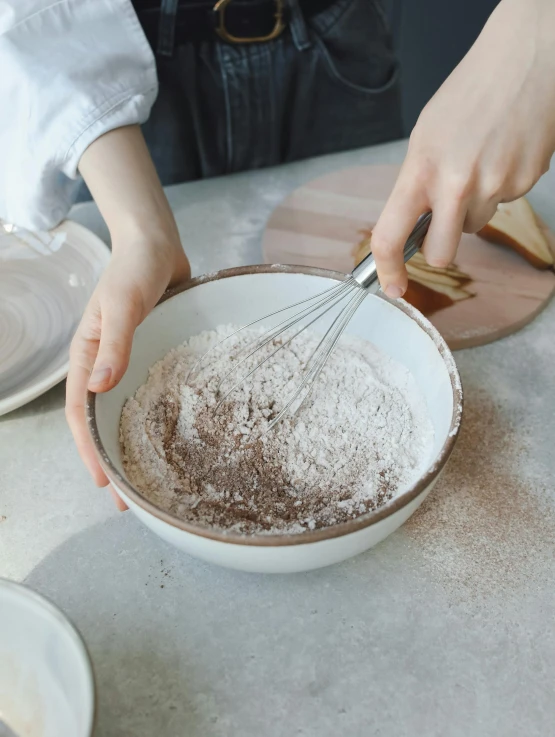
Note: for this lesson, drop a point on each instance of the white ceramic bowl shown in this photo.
(46, 678)
(238, 296)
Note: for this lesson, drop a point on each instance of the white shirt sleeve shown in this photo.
(70, 70)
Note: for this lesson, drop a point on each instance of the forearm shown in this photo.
(523, 22)
(121, 177)
(525, 31)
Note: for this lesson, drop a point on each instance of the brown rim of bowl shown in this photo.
(326, 533)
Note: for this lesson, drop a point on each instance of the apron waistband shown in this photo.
(169, 23)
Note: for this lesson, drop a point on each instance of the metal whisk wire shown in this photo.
(325, 295)
(321, 354)
(354, 290)
(274, 333)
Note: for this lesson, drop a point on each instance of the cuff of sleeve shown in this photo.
(61, 102)
(116, 113)
(41, 205)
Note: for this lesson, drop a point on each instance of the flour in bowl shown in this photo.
(362, 436)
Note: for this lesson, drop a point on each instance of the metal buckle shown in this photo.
(223, 33)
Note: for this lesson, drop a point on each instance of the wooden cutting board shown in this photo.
(321, 223)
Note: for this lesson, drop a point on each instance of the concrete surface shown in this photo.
(444, 630)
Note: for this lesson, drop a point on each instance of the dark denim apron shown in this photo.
(327, 83)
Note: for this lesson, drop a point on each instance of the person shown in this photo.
(81, 77)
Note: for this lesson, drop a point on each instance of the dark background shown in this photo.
(431, 37)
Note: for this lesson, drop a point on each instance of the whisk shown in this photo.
(348, 294)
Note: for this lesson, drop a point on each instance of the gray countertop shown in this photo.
(444, 630)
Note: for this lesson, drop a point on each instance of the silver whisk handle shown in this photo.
(365, 273)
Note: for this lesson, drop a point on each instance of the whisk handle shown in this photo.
(366, 274)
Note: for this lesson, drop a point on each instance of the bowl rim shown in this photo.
(310, 536)
(47, 605)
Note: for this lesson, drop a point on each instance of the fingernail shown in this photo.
(100, 376)
(438, 263)
(394, 292)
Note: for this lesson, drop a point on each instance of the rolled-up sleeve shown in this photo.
(70, 71)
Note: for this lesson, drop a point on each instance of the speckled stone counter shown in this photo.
(444, 630)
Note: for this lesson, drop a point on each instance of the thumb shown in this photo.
(118, 324)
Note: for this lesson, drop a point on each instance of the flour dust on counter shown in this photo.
(363, 435)
(489, 525)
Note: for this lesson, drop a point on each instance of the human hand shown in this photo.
(135, 279)
(486, 137)
(147, 258)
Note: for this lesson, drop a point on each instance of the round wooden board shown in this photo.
(321, 223)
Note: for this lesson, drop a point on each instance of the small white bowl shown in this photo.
(46, 679)
(239, 296)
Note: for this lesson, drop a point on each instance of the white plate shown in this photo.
(46, 679)
(46, 280)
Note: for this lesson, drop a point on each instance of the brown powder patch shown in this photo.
(250, 487)
(485, 527)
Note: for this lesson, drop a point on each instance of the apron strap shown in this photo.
(166, 27)
(297, 23)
